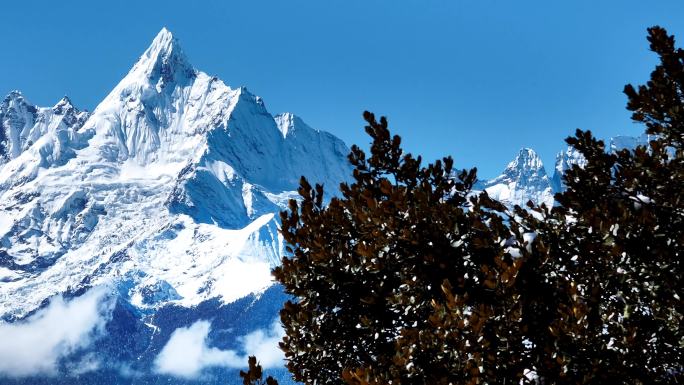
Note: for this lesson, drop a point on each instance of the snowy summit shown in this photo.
(173, 181)
(524, 179)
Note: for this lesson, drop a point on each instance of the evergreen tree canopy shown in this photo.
(409, 278)
(377, 271)
(611, 249)
(254, 374)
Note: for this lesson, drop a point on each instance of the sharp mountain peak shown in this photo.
(163, 60)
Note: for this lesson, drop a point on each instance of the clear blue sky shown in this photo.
(475, 79)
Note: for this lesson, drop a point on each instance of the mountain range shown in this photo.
(137, 240)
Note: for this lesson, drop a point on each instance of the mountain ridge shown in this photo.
(170, 150)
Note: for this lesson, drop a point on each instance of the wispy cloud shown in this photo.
(263, 344)
(89, 363)
(34, 346)
(187, 352)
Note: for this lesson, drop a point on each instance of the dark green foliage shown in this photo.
(378, 270)
(612, 249)
(406, 279)
(658, 104)
(254, 374)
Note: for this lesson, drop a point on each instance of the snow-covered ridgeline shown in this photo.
(170, 187)
(525, 177)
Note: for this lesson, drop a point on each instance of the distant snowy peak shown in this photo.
(526, 167)
(524, 179)
(565, 160)
(622, 142)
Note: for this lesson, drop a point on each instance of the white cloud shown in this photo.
(33, 346)
(89, 363)
(187, 353)
(264, 345)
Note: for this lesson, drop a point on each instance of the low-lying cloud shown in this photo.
(187, 352)
(263, 344)
(35, 345)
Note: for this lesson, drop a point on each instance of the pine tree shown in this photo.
(389, 275)
(254, 374)
(611, 250)
(408, 279)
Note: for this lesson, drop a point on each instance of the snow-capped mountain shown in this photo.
(623, 142)
(564, 161)
(24, 124)
(524, 179)
(167, 194)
